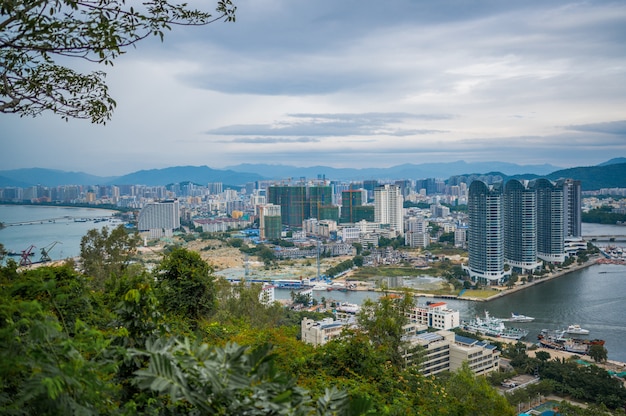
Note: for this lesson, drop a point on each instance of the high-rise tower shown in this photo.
(572, 207)
(270, 227)
(550, 241)
(485, 232)
(388, 207)
(520, 226)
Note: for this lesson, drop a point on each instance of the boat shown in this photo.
(576, 330)
(320, 286)
(557, 339)
(520, 318)
(494, 327)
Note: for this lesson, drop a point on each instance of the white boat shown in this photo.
(320, 286)
(515, 317)
(493, 327)
(576, 329)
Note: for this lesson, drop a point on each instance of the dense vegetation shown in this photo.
(603, 215)
(107, 336)
(584, 383)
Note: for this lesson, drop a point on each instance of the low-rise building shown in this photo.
(440, 351)
(482, 357)
(435, 315)
(320, 332)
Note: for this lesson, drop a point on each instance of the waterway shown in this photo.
(594, 298)
(42, 226)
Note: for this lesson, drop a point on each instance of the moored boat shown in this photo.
(557, 339)
(576, 330)
(493, 327)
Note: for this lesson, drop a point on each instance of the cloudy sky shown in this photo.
(356, 83)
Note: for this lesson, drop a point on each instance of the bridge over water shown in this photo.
(606, 238)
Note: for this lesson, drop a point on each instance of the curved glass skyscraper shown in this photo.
(520, 226)
(485, 232)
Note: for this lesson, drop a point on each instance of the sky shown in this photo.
(355, 83)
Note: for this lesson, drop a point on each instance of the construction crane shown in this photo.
(25, 257)
(45, 251)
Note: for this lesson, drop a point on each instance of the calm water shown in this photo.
(47, 225)
(594, 298)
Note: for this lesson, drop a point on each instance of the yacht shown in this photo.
(515, 317)
(576, 330)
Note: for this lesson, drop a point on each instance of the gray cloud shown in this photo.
(309, 124)
(609, 127)
(385, 82)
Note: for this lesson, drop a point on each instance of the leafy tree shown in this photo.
(384, 323)
(241, 304)
(104, 253)
(60, 290)
(44, 370)
(472, 395)
(186, 284)
(447, 238)
(542, 355)
(231, 380)
(37, 37)
(598, 353)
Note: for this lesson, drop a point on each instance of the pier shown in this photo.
(54, 220)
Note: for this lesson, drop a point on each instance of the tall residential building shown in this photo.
(160, 218)
(485, 232)
(550, 241)
(572, 207)
(215, 188)
(388, 207)
(319, 197)
(270, 224)
(520, 226)
(350, 199)
(293, 203)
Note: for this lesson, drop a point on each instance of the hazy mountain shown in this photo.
(9, 182)
(614, 161)
(196, 174)
(49, 177)
(610, 174)
(595, 177)
(413, 171)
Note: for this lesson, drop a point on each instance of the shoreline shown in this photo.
(536, 281)
(502, 291)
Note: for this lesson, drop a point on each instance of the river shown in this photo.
(594, 298)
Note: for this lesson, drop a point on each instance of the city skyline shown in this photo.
(352, 85)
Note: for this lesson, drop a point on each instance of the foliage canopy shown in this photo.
(36, 37)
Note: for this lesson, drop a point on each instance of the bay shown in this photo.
(594, 298)
(42, 226)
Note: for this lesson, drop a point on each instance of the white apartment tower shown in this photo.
(160, 219)
(388, 207)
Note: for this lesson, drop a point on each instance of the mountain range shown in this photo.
(609, 174)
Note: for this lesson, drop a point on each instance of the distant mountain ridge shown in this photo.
(407, 170)
(610, 174)
(196, 174)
